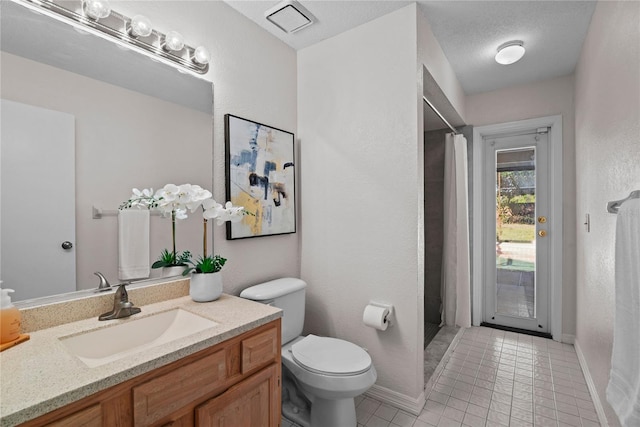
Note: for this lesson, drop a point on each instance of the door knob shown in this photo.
(542, 233)
(67, 245)
(542, 219)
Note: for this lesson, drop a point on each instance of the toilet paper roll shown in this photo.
(376, 317)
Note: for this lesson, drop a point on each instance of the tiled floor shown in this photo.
(497, 378)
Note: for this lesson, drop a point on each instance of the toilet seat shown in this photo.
(330, 356)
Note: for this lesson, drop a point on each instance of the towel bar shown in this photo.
(98, 213)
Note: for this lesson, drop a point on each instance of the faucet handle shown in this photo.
(121, 293)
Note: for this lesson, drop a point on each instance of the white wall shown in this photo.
(607, 99)
(545, 98)
(431, 55)
(361, 191)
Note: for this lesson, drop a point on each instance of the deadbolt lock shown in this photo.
(542, 233)
(542, 219)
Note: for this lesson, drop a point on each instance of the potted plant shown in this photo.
(173, 201)
(205, 284)
(172, 263)
(206, 279)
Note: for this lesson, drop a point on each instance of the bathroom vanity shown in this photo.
(229, 372)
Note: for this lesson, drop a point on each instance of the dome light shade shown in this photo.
(510, 52)
(140, 26)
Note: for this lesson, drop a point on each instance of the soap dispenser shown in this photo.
(9, 318)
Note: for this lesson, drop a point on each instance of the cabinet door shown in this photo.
(251, 403)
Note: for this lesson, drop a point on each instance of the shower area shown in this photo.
(434, 140)
(436, 130)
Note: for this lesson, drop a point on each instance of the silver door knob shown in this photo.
(67, 245)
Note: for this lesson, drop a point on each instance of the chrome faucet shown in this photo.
(122, 307)
(104, 283)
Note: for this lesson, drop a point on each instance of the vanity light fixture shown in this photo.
(173, 42)
(140, 26)
(510, 52)
(96, 9)
(96, 17)
(201, 55)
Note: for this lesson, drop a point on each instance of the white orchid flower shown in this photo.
(212, 209)
(169, 191)
(181, 213)
(198, 196)
(140, 199)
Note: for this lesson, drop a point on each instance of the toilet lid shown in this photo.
(330, 356)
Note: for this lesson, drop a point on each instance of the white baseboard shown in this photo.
(398, 400)
(590, 384)
(568, 338)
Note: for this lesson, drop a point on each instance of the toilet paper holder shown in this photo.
(389, 317)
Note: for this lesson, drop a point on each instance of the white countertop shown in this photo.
(40, 375)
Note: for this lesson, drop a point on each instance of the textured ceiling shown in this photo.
(468, 31)
(332, 17)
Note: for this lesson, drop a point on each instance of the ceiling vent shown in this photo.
(289, 16)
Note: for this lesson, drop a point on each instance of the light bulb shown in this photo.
(140, 26)
(174, 41)
(510, 52)
(96, 9)
(201, 55)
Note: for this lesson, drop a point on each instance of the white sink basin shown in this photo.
(105, 345)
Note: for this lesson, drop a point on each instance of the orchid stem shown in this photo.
(204, 239)
(173, 234)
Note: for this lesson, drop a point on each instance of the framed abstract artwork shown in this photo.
(260, 176)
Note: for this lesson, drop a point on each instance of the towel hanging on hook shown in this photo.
(614, 206)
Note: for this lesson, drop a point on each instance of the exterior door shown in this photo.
(516, 242)
(37, 181)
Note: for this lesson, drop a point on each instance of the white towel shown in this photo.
(623, 391)
(133, 244)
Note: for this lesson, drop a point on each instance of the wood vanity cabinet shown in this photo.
(234, 383)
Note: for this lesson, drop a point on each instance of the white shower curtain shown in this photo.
(456, 281)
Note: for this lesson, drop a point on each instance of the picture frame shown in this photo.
(260, 176)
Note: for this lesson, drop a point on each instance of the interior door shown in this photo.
(37, 235)
(516, 240)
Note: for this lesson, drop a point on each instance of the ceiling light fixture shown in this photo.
(510, 52)
(290, 16)
(97, 18)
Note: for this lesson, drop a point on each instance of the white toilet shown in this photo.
(321, 375)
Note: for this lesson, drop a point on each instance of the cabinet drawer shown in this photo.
(259, 350)
(163, 395)
(89, 417)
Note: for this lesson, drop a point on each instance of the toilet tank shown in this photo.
(288, 295)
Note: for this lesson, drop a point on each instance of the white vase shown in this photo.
(205, 287)
(173, 271)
